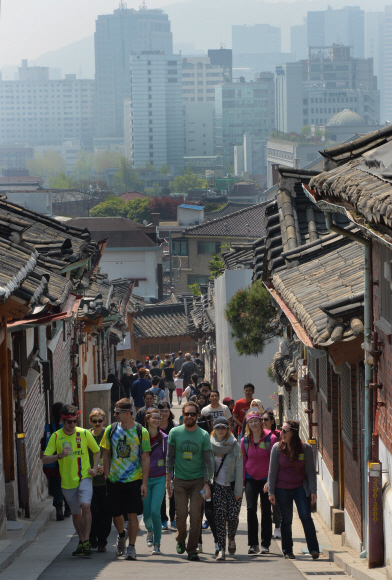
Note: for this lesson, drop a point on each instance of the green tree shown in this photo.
(251, 315)
(112, 206)
(229, 168)
(152, 191)
(84, 166)
(305, 131)
(195, 289)
(137, 210)
(216, 265)
(105, 159)
(183, 183)
(127, 179)
(46, 165)
(164, 170)
(149, 165)
(61, 181)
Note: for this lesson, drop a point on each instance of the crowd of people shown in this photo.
(202, 464)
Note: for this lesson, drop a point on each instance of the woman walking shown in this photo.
(256, 447)
(166, 425)
(269, 422)
(227, 487)
(168, 376)
(292, 477)
(156, 483)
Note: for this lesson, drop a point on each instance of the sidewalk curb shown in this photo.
(354, 568)
(9, 554)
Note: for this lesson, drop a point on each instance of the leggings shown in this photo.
(226, 511)
(152, 506)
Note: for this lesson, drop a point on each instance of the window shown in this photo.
(180, 247)
(208, 247)
(346, 400)
(197, 279)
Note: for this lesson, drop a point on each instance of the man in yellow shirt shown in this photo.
(69, 446)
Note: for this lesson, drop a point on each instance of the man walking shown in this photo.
(148, 404)
(178, 362)
(189, 455)
(241, 407)
(188, 368)
(69, 446)
(215, 409)
(126, 464)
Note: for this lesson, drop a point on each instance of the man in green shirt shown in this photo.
(189, 455)
(70, 447)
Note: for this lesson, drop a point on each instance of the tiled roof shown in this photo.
(247, 222)
(161, 320)
(122, 233)
(283, 363)
(239, 256)
(340, 154)
(229, 208)
(132, 195)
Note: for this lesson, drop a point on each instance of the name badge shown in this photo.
(188, 455)
(161, 462)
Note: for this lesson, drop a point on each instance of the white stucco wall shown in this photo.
(233, 371)
(138, 263)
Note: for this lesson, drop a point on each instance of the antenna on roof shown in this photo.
(143, 6)
(122, 5)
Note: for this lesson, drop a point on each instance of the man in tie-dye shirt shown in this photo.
(126, 463)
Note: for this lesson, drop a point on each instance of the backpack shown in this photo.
(267, 442)
(156, 396)
(139, 430)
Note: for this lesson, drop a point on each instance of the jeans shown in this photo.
(152, 506)
(172, 509)
(254, 488)
(285, 498)
(188, 498)
(101, 519)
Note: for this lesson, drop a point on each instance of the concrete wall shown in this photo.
(233, 371)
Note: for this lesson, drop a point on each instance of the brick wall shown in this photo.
(385, 365)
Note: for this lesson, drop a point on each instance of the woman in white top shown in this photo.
(227, 487)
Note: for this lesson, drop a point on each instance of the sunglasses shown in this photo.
(71, 421)
(266, 419)
(284, 431)
(122, 411)
(96, 420)
(190, 414)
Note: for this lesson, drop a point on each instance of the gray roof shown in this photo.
(246, 222)
(229, 208)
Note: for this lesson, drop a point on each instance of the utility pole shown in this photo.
(170, 262)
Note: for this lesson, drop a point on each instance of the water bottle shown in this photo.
(203, 495)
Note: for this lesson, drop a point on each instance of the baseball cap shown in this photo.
(227, 400)
(221, 422)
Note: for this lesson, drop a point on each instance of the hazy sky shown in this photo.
(29, 28)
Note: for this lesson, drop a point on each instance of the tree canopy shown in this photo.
(112, 207)
(138, 210)
(127, 179)
(183, 183)
(47, 164)
(251, 315)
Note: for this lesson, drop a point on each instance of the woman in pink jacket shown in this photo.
(256, 447)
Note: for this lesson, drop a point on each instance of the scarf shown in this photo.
(222, 447)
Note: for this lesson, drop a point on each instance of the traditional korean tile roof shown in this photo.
(283, 363)
(240, 256)
(122, 232)
(159, 320)
(245, 223)
(341, 154)
(228, 209)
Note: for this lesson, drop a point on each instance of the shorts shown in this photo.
(78, 495)
(179, 391)
(124, 497)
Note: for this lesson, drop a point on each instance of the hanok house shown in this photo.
(314, 273)
(358, 184)
(159, 328)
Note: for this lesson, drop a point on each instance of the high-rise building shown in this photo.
(259, 38)
(387, 65)
(289, 97)
(38, 111)
(374, 48)
(243, 108)
(222, 57)
(345, 26)
(299, 41)
(153, 116)
(117, 36)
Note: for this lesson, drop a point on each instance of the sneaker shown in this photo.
(93, 544)
(232, 547)
(221, 555)
(180, 548)
(277, 533)
(216, 549)
(156, 551)
(194, 557)
(173, 525)
(253, 550)
(206, 525)
(150, 539)
(79, 550)
(165, 527)
(87, 553)
(59, 513)
(289, 556)
(200, 548)
(315, 554)
(264, 550)
(121, 544)
(101, 547)
(131, 552)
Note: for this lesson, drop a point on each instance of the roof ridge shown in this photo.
(227, 216)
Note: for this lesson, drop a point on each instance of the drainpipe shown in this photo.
(366, 392)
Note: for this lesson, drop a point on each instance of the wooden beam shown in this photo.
(6, 409)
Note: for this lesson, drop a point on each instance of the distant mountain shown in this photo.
(75, 58)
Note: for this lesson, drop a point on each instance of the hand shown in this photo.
(207, 491)
(143, 491)
(66, 451)
(272, 499)
(92, 472)
(265, 488)
(169, 487)
(100, 469)
(313, 498)
(237, 497)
